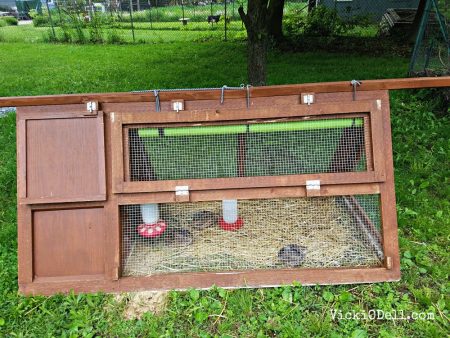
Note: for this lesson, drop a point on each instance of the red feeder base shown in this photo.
(231, 226)
(152, 230)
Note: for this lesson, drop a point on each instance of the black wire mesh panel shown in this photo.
(431, 54)
(318, 232)
(259, 149)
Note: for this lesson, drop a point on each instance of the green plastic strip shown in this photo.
(148, 132)
(253, 128)
(194, 131)
(305, 125)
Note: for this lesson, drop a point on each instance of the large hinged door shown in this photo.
(61, 194)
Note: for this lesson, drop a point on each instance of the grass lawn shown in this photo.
(157, 33)
(421, 154)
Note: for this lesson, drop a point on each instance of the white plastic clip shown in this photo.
(308, 99)
(182, 193)
(177, 105)
(313, 188)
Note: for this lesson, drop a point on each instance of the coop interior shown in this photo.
(313, 232)
(249, 234)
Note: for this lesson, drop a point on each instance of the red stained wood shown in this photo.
(327, 87)
(69, 242)
(204, 280)
(64, 159)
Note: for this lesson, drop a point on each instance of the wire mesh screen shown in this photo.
(261, 149)
(431, 55)
(276, 233)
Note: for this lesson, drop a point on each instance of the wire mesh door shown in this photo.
(226, 154)
(318, 232)
(263, 149)
(249, 203)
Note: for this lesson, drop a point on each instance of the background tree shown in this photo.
(263, 22)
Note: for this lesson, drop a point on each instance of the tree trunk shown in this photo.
(275, 19)
(256, 24)
(311, 5)
(257, 60)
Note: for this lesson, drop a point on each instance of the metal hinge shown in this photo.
(182, 193)
(313, 188)
(91, 108)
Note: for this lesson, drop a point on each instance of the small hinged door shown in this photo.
(60, 159)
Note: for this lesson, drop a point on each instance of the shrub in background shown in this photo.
(11, 21)
(8, 21)
(322, 22)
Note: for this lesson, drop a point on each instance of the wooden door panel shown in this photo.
(69, 242)
(65, 160)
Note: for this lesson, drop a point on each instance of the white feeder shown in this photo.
(150, 213)
(230, 211)
(230, 220)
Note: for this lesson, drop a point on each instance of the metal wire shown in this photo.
(258, 149)
(276, 233)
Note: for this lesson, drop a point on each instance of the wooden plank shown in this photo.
(212, 115)
(116, 139)
(236, 103)
(64, 206)
(21, 154)
(205, 280)
(343, 86)
(368, 143)
(126, 154)
(249, 182)
(53, 111)
(251, 121)
(112, 229)
(248, 193)
(46, 200)
(378, 149)
(388, 205)
(25, 244)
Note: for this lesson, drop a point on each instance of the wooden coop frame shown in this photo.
(73, 175)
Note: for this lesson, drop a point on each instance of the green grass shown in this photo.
(421, 154)
(157, 33)
(33, 69)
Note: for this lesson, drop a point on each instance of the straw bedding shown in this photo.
(329, 234)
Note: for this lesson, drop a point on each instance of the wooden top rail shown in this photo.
(295, 89)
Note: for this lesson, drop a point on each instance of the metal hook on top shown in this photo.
(355, 84)
(248, 95)
(222, 94)
(157, 102)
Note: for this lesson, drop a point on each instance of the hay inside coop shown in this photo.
(276, 233)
